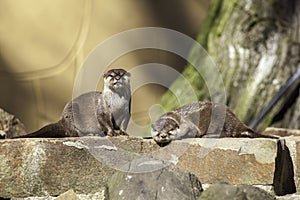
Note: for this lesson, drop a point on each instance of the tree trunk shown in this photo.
(256, 45)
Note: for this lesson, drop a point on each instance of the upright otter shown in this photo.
(95, 113)
(200, 119)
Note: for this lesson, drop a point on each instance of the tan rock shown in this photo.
(10, 125)
(43, 167)
(281, 132)
(68, 195)
(230, 160)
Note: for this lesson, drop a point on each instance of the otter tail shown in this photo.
(49, 131)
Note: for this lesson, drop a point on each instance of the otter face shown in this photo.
(116, 79)
(164, 130)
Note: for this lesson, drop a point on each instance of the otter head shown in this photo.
(116, 79)
(165, 129)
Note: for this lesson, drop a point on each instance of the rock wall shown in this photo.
(50, 167)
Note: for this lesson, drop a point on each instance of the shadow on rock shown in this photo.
(284, 171)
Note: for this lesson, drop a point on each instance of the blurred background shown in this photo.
(254, 44)
(44, 43)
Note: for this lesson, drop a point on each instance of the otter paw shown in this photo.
(112, 133)
(123, 133)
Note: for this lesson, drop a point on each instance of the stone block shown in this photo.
(230, 160)
(166, 183)
(43, 167)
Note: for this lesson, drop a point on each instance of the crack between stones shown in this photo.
(192, 186)
(156, 193)
(157, 179)
(195, 185)
(141, 148)
(283, 180)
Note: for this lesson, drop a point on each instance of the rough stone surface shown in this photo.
(96, 196)
(41, 167)
(231, 160)
(34, 198)
(49, 167)
(239, 192)
(10, 125)
(167, 183)
(287, 174)
(69, 195)
(281, 132)
(289, 197)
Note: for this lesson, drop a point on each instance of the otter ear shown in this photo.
(106, 75)
(128, 74)
(152, 126)
(175, 117)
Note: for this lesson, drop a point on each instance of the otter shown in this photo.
(94, 113)
(200, 119)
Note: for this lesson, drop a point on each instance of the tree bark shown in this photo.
(256, 45)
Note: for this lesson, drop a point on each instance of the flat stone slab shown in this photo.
(236, 192)
(42, 167)
(230, 160)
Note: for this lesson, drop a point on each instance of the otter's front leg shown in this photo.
(188, 129)
(105, 120)
(124, 124)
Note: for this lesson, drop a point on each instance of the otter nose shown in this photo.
(118, 77)
(163, 135)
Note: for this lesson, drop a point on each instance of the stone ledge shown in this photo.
(231, 160)
(41, 167)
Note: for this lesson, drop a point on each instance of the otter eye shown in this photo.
(173, 128)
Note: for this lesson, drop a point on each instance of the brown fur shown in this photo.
(95, 113)
(201, 119)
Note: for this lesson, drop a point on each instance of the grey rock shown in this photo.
(282, 132)
(10, 125)
(289, 197)
(165, 183)
(41, 167)
(232, 192)
(69, 195)
(34, 167)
